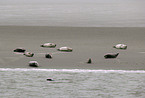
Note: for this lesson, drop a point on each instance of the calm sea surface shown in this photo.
(72, 83)
(96, 13)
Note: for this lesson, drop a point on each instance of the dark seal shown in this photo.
(49, 79)
(22, 50)
(48, 56)
(111, 55)
(89, 61)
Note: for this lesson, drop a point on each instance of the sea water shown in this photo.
(71, 83)
(82, 13)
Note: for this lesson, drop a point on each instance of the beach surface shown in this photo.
(87, 42)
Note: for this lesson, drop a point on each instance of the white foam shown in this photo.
(73, 70)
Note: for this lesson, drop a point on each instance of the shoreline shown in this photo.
(73, 70)
(87, 42)
(44, 26)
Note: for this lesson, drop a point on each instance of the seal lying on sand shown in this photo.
(48, 56)
(111, 55)
(20, 49)
(48, 45)
(120, 46)
(29, 54)
(89, 61)
(65, 49)
(33, 64)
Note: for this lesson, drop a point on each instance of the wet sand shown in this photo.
(87, 42)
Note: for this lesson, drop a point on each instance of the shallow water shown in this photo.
(82, 13)
(72, 83)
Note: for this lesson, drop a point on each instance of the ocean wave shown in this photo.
(73, 70)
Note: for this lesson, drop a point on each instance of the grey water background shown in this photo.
(68, 83)
(82, 13)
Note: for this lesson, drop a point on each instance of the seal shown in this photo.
(29, 54)
(49, 79)
(33, 64)
(65, 49)
(89, 61)
(48, 45)
(19, 49)
(111, 55)
(120, 46)
(48, 56)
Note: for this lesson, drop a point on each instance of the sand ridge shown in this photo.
(87, 42)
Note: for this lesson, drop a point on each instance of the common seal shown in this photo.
(33, 64)
(48, 56)
(120, 46)
(19, 49)
(111, 55)
(66, 49)
(48, 45)
(89, 61)
(29, 54)
(49, 79)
